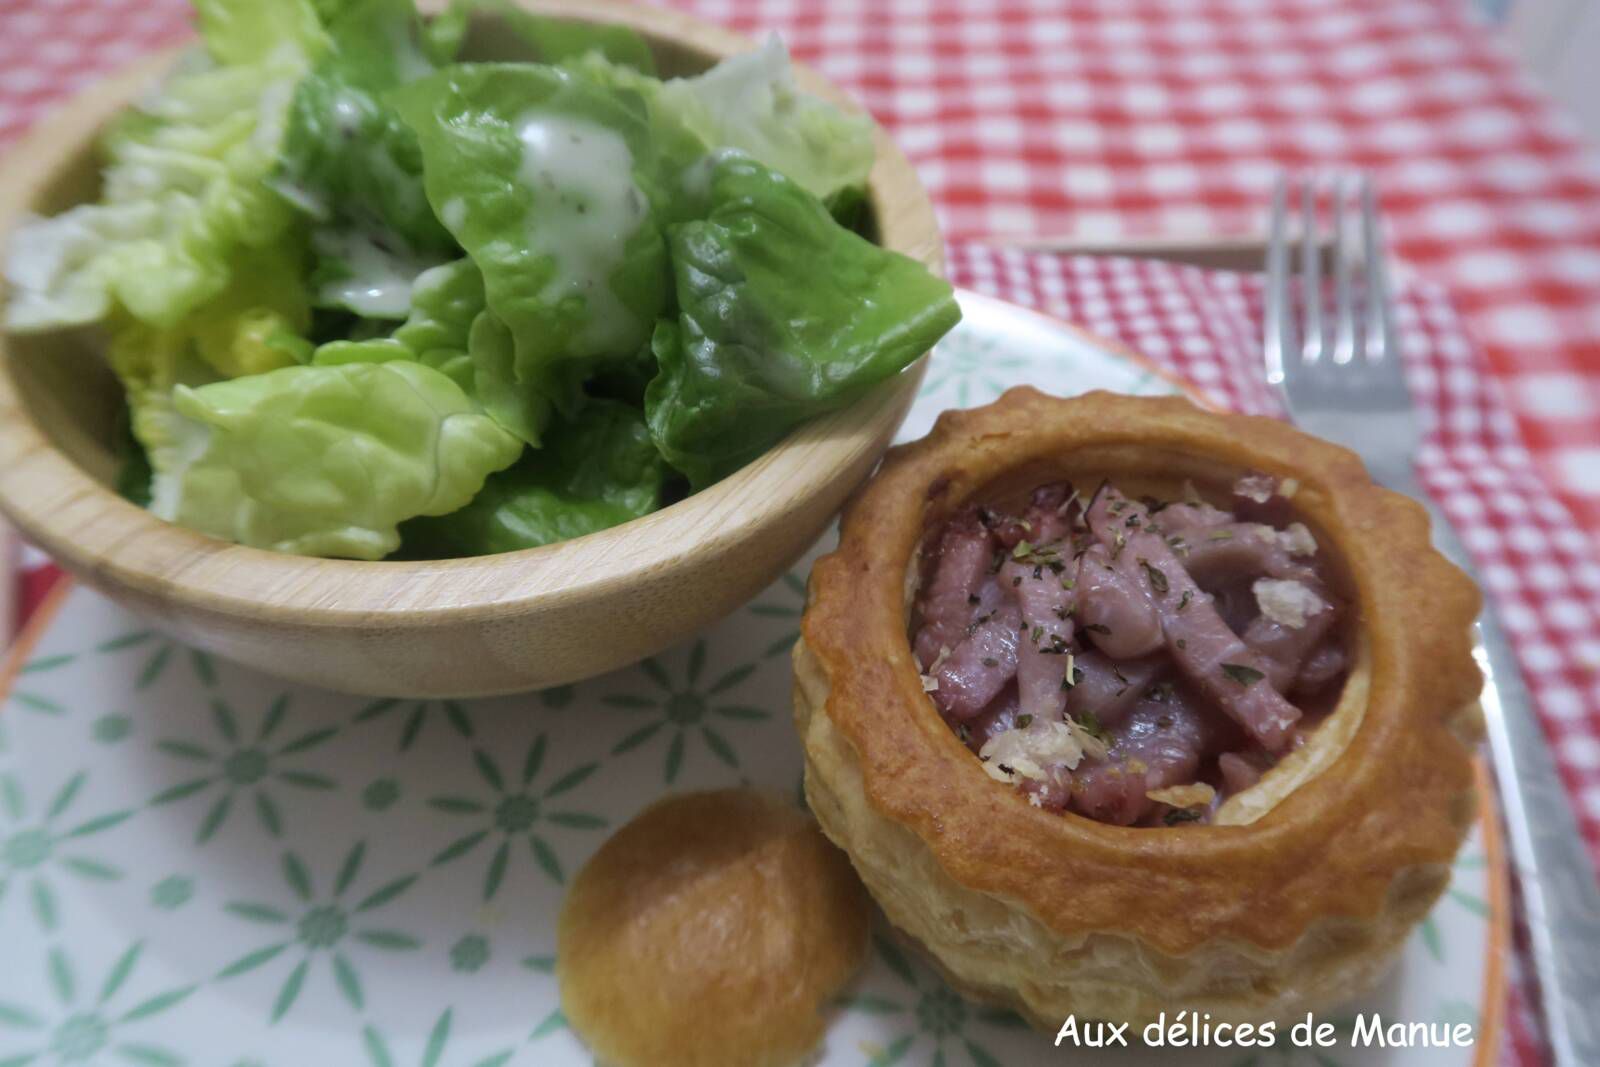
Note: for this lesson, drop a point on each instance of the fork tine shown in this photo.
(1280, 333)
(1311, 274)
(1344, 311)
(1380, 340)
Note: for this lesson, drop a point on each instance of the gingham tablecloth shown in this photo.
(1104, 118)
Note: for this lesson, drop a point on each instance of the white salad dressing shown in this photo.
(588, 171)
(378, 282)
(348, 111)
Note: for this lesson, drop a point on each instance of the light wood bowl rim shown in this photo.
(42, 490)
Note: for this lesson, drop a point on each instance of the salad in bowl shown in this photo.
(384, 286)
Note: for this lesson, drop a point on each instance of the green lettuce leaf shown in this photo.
(514, 406)
(753, 353)
(546, 180)
(680, 153)
(134, 473)
(239, 32)
(151, 364)
(752, 102)
(355, 167)
(259, 320)
(328, 460)
(183, 197)
(531, 37)
(444, 34)
(444, 302)
(453, 365)
(556, 40)
(256, 324)
(451, 330)
(593, 473)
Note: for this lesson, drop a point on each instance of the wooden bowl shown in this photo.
(464, 627)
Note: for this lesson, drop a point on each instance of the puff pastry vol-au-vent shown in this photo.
(1119, 707)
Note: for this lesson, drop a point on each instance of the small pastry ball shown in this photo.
(710, 932)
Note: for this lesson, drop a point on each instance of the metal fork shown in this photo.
(1340, 375)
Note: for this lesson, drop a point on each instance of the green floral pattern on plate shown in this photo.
(85, 1025)
(930, 1023)
(37, 847)
(235, 763)
(202, 866)
(681, 709)
(315, 924)
(508, 812)
(156, 653)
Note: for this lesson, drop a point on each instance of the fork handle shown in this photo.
(1560, 898)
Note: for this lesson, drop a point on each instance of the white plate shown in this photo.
(200, 865)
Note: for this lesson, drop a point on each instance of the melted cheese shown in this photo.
(1287, 603)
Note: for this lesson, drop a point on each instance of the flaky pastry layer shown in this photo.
(1302, 893)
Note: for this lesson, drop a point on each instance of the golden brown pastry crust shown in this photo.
(1304, 903)
(710, 931)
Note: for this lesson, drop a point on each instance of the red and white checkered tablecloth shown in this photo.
(1106, 118)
